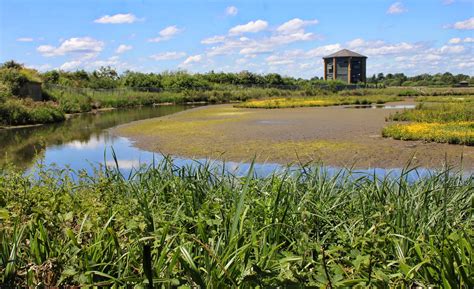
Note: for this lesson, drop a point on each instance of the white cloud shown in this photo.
(123, 48)
(251, 27)
(256, 50)
(192, 59)
(86, 47)
(173, 55)
(448, 2)
(42, 67)
(295, 25)
(24, 39)
(231, 11)
(396, 8)
(117, 19)
(71, 65)
(288, 32)
(278, 60)
(214, 39)
(91, 64)
(379, 47)
(455, 40)
(467, 24)
(468, 40)
(324, 50)
(166, 33)
(452, 49)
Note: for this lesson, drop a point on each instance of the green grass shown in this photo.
(450, 99)
(436, 112)
(444, 122)
(194, 226)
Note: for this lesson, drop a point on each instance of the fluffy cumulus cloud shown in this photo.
(166, 34)
(250, 27)
(123, 48)
(396, 8)
(171, 55)
(85, 47)
(255, 44)
(117, 19)
(231, 11)
(295, 25)
(467, 24)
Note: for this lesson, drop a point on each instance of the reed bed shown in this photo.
(164, 226)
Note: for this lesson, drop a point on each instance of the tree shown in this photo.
(12, 64)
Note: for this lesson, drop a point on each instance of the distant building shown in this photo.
(345, 65)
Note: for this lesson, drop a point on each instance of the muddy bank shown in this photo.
(336, 136)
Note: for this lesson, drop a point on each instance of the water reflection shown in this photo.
(23, 146)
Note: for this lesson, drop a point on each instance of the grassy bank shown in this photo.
(197, 227)
(442, 121)
(24, 111)
(316, 101)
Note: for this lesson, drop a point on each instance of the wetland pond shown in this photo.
(84, 142)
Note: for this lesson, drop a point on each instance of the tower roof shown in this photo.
(345, 53)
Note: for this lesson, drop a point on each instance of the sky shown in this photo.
(262, 36)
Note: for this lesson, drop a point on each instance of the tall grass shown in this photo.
(164, 226)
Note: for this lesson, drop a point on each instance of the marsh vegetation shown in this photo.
(198, 226)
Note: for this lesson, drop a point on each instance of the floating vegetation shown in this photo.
(289, 102)
(450, 132)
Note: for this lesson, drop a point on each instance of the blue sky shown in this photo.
(287, 37)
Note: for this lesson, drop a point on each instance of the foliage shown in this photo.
(22, 111)
(13, 79)
(438, 79)
(447, 132)
(195, 226)
(315, 101)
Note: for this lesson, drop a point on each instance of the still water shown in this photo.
(83, 142)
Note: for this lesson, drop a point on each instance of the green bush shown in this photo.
(13, 79)
(4, 92)
(21, 112)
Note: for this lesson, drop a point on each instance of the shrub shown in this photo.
(13, 79)
(21, 112)
(4, 92)
(409, 92)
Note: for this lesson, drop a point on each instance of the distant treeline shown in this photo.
(107, 78)
(439, 79)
